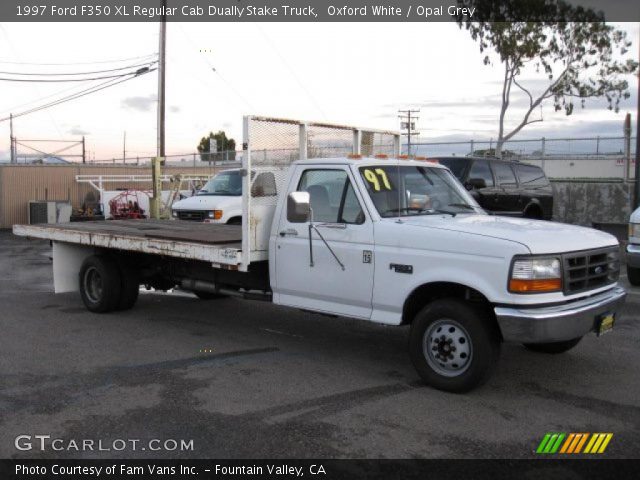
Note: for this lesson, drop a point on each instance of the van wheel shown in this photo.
(100, 284)
(130, 288)
(633, 274)
(453, 345)
(553, 347)
(208, 295)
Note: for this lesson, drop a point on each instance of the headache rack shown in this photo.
(272, 145)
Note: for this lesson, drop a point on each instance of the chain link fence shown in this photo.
(589, 157)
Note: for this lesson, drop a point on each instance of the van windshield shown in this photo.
(225, 183)
(413, 190)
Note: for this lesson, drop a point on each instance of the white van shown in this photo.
(219, 201)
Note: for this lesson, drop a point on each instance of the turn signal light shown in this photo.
(536, 285)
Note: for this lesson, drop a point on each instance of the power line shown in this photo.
(52, 80)
(79, 63)
(78, 73)
(97, 88)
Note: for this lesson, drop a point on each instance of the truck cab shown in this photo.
(403, 242)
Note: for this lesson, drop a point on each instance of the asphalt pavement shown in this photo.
(240, 379)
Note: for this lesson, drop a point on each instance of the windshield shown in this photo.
(225, 183)
(412, 190)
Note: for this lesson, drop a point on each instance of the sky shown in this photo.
(348, 73)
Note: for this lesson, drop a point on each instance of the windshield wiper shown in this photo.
(403, 209)
(461, 205)
(428, 211)
(438, 210)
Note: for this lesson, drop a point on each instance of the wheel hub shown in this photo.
(447, 347)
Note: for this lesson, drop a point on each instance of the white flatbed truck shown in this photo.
(388, 240)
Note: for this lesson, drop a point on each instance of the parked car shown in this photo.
(220, 199)
(504, 187)
(633, 249)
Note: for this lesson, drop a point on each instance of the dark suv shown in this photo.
(504, 187)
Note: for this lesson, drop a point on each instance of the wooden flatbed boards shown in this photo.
(197, 241)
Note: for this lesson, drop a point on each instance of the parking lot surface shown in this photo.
(253, 380)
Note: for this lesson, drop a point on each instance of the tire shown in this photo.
(533, 213)
(130, 288)
(553, 347)
(470, 337)
(100, 284)
(633, 274)
(235, 221)
(208, 295)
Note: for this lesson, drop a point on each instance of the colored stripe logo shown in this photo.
(572, 443)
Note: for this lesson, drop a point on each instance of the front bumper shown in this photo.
(559, 322)
(633, 255)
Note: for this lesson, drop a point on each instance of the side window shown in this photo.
(351, 210)
(480, 169)
(333, 199)
(264, 185)
(504, 174)
(531, 176)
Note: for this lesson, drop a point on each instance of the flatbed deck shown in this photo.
(174, 238)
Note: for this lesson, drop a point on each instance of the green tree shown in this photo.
(225, 147)
(577, 55)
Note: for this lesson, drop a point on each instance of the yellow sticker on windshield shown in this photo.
(377, 178)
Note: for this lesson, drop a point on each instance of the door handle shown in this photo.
(338, 226)
(289, 231)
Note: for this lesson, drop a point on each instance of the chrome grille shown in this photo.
(194, 215)
(590, 269)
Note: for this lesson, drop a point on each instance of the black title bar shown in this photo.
(291, 10)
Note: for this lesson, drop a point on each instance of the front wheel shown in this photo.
(453, 345)
(633, 274)
(553, 347)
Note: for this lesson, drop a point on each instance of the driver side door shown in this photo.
(325, 285)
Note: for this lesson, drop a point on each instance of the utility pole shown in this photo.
(84, 152)
(157, 162)
(124, 147)
(12, 140)
(407, 122)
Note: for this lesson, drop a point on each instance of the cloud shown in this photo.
(76, 130)
(142, 104)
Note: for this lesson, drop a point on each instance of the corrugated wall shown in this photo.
(21, 183)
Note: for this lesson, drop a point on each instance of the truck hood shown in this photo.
(206, 202)
(537, 235)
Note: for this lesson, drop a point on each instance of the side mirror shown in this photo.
(298, 207)
(475, 183)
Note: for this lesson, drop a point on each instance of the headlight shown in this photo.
(634, 229)
(215, 214)
(535, 275)
(174, 213)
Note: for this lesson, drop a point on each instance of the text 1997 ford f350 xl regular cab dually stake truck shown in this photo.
(389, 240)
